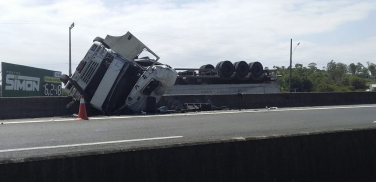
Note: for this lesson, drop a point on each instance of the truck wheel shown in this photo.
(226, 68)
(64, 78)
(241, 69)
(256, 69)
(206, 66)
(218, 64)
(101, 40)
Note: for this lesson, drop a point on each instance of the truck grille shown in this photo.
(88, 72)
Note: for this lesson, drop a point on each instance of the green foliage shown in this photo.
(352, 68)
(358, 83)
(317, 78)
(372, 69)
(336, 72)
(324, 87)
(335, 77)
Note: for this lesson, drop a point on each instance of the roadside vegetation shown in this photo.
(335, 77)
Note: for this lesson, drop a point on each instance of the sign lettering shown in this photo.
(24, 83)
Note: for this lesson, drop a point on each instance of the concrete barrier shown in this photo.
(251, 101)
(32, 107)
(336, 156)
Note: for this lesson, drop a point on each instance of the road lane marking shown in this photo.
(38, 121)
(88, 144)
(199, 113)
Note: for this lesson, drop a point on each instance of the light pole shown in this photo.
(70, 68)
(291, 52)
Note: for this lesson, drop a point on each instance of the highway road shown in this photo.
(60, 136)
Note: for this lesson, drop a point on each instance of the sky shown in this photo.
(191, 33)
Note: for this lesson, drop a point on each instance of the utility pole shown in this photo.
(70, 62)
(290, 66)
(291, 52)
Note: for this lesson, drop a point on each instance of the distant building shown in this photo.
(372, 87)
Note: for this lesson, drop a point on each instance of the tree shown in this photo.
(358, 83)
(307, 85)
(296, 83)
(336, 77)
(317, 78)
(298, 66)
(372, 68)
(336, 72)
(359, 67)
(364, 72)
(312, 67)
(324, 87)
(331, 65)
(352, 68)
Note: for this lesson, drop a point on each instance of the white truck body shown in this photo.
(111, 80)
(162, 75)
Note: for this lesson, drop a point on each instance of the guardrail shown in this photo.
(32, 107)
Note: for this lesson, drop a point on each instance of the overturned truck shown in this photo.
(113, 79)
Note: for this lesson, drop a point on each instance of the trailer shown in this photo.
(225, 78)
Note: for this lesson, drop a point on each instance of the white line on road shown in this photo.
(38, 121)
(88, 144)
(199, 113)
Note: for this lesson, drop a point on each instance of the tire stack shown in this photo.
(239, 72)
(257, 71)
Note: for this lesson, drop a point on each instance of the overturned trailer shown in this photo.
(113, 79)
(226, 72)
(226, 78)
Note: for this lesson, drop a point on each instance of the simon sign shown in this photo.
(24, 81)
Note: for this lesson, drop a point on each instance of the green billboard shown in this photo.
(25, 81)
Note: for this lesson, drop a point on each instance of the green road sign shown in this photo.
(24, 81)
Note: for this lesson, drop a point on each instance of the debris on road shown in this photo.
(162, 109)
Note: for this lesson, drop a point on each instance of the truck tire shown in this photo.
(226, 68)
(206, 66)
(64, 78)
(241, 69)
(101, 40)
(218, 64)
(256, 69)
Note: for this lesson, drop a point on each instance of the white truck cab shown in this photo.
(112, 78)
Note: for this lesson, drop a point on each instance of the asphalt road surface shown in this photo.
(59, 136)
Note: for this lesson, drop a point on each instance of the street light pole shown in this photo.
(70, 62)
(290, 66)
(291, 52)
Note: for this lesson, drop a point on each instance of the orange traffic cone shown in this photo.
(82, 110)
